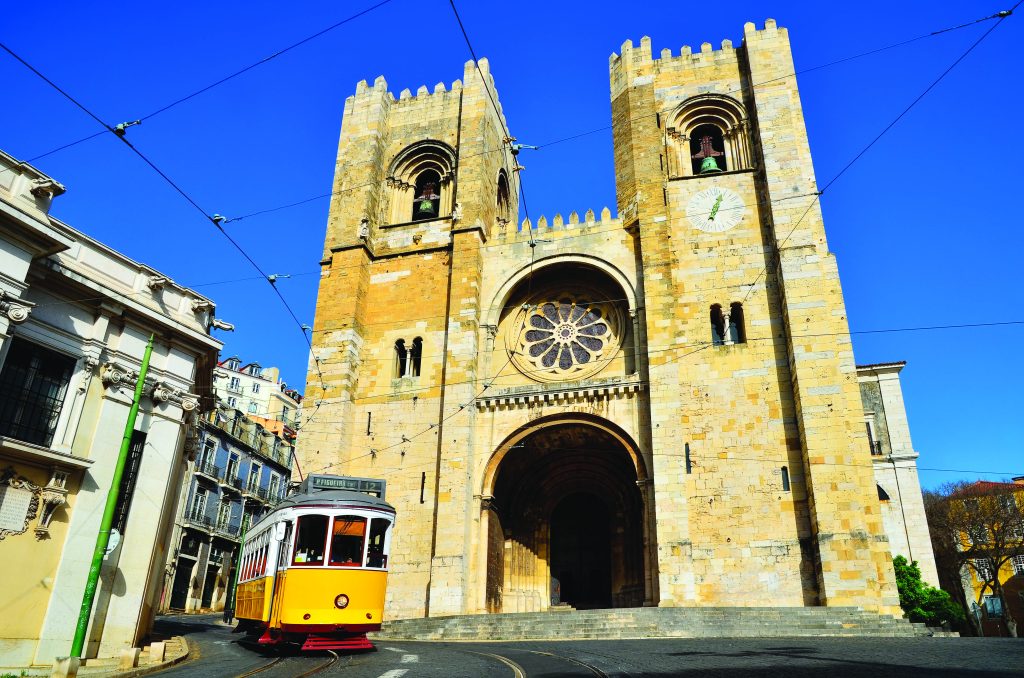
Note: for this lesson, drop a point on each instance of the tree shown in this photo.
(976, 527)
(924, 603)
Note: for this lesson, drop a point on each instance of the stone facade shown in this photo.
(657, 408)
(76, 317)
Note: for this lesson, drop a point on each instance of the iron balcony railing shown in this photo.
(199, 519)
(876, 448)
(228, 529)
(232, 482)
(208, 469)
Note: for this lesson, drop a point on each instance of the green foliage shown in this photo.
(921, 602)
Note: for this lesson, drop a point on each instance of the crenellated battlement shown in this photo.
(639, 59)
(558, 226)
(470, 75)
(380, 85)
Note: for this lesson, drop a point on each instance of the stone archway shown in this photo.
(565, 504)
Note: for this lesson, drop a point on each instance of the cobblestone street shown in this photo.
(217, 653)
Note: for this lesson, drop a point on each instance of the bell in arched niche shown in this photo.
(427, 201)
(707, 156)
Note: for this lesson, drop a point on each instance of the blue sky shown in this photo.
(926, 226)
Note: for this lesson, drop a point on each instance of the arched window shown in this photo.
(408, 358)
(717, 325)
(882, 494)
(419, 183)
(708, 133)
(737, 332)
(504, 201)
(401, 358)
(785, 479)
(707, 150)
(415, 355)
(427, 201)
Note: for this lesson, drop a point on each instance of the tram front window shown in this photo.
(375, 554)
(311, 540)
(347, 541)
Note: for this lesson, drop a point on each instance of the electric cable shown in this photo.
(221, 81)
(212, 219)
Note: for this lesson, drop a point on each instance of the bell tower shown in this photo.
(421, 183)
(715, 180)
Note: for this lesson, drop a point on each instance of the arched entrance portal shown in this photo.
(566, 513)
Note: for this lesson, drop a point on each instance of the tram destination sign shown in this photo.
(371, 486)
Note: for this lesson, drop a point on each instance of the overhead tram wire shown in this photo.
(1000, 17)
(223, 80)
(213, 220)
(698, 346)
(997, 15)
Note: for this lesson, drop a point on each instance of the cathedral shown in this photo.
(655, 408)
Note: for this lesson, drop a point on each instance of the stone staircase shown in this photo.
(655, 622)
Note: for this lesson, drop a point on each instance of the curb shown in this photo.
(149, 668)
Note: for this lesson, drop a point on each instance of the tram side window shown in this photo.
(375, 554)
(347, 541)
(286, 553)
(310, 540)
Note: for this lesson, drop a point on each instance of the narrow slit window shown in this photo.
(415, 356)
(737, 331)
(401, 358)
(882, 494)
(785, 479)
(717, 325)
(504, 202)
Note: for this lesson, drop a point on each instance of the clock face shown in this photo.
(715, 209)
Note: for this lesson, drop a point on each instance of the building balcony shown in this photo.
(200, 520)
(227, 529)
(209, 470)
(233, 483)
(256, 492)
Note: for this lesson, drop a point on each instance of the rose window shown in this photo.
(572, 337)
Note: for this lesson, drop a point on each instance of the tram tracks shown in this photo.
(519, 672)
(277, 660)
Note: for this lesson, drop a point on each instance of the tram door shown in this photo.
(581, 551)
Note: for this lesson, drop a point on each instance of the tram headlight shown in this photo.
(341, 601)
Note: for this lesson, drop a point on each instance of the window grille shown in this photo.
(128, 480)
(33, 383)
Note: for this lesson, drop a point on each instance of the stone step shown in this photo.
(655, 622)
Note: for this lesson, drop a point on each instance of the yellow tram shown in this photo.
(314, 570)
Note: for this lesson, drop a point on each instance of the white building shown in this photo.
(257, 391)
(75, 317)
(895, 465)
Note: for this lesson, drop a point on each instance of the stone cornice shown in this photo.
(115, 375)
(554, 394)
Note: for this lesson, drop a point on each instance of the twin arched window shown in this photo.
(408, 359)
(728, 328)
(706, 134)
